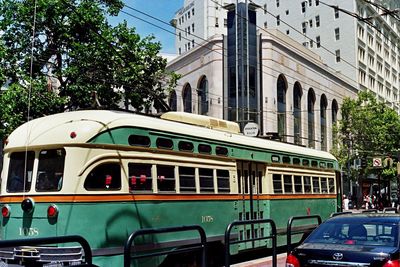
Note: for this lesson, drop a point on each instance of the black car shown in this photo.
(351, 240)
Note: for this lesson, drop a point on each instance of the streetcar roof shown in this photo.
(78, 127)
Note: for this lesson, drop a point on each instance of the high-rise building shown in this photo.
(365, 50)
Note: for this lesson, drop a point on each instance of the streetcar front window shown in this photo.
(20, 171)
(50, 170)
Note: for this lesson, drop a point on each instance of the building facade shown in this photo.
(365, 51)
(299, 95)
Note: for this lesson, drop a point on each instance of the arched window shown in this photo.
(324, 136)
(297, 94)
(310, 111)
(335, 109)
(172, 102)
(203, 96)
(187, 98)
(281, 95)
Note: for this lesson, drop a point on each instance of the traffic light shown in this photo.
(363, 162)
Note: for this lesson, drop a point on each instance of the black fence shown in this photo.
(229, 242)
(135, 251)
(130, 245)
(300, 229)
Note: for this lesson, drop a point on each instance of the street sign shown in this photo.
(377, 162)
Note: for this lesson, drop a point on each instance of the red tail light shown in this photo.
(52, 211)
(292, 261)
(5, 211)
(392, 263)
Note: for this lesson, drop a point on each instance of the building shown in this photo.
(296, 88)
(367, 53)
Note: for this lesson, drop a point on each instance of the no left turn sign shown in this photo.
(377, 162)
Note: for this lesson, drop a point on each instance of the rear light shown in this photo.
(392, 263)
(52, 211)
(5, 211)
(292, 261)
(28, 205)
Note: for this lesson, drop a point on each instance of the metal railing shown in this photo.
(229, 242)
(128, 257)
(299, 230)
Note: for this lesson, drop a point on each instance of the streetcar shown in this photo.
(104, 174)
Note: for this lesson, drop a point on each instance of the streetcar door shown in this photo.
(250, 177)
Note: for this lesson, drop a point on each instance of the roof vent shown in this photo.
(201, 120)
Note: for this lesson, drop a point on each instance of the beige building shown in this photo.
(297, 90)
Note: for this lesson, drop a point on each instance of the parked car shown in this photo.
(370, 239)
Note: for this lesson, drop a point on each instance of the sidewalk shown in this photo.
(263, 262)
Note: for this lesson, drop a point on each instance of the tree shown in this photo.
(75, 53)
(368, 129)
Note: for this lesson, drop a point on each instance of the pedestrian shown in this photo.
(346, 202)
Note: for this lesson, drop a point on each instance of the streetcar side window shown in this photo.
(185, 146)
(50, 170)
(223, 181)
(139, 140)
(140, 177)
(106, 176)
(206, 178)
(277, 183)
(286, 159)
(306, 162)
(204, 149)
(221, 151)
(324, 186)
(331, 185)
(287, 181)
(187, 179)
(315, 184)
(297, 184)
(275, 158)
(19, 180)
(296, 161)
(166, 178)
(307, 184)
(164, 143)
(314, 163)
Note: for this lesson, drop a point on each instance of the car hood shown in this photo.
(319, 254)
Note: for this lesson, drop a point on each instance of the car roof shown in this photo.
(366, 218)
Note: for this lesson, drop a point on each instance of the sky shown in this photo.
(163, 10)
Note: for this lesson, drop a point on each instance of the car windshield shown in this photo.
(355, 233)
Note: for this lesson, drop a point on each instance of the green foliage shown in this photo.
(76, 48)
(367, 129)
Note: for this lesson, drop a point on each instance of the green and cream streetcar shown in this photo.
(105, 174)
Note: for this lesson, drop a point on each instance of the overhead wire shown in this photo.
(205, 40)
